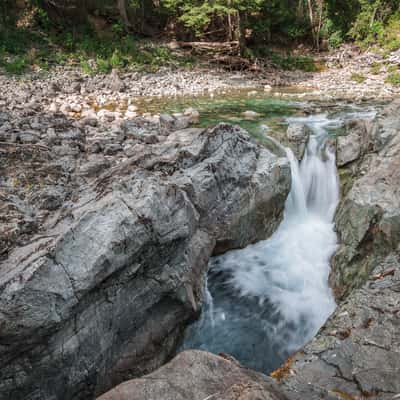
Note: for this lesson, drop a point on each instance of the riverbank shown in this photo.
(348, 75)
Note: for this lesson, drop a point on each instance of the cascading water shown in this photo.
(267, 300)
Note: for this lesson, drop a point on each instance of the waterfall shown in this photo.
(269, 299)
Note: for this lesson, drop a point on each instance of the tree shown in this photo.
(123, 12)
(316, 12)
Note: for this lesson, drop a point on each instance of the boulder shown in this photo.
(104, 290)
(297, 138)
(198, 375)
(116, 84)
(360, 139)
(250, 114)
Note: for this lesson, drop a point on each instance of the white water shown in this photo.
(269, 299)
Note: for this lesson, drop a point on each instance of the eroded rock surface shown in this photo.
(368, 218)
(113, 235)
(198, 375)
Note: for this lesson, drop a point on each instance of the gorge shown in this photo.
(108, 231)
(266, 301)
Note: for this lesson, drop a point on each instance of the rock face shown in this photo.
(197, 375)
(297, 137)
(368, 218)
(357, 353)
(100, 289)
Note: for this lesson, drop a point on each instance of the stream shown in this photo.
(266, 301)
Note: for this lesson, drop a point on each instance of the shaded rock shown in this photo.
(198, 375)
(51, 198)
(94, 167)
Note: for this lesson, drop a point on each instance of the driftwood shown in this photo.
(211, 47)
(234, 62)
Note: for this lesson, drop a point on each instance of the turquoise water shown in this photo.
(228, 107)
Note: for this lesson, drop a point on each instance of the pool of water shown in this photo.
(273, 109)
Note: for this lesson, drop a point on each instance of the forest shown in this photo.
(55, 30)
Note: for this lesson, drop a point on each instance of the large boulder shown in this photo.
(359, 141)
(198, 375)
(103, 289)
(297, 136)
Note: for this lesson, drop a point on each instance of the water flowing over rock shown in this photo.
(357, 353)
(267, 300)
(101, 290)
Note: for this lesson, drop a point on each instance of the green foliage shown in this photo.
(16, 65)
(358, 78)
(47, 39)
(335, 40)
(198, 14)
(293, 62)
(375, 68)
(393, 79)
(378, 22)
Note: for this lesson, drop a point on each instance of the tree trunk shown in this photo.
(240, 33)
(315, 12)
(122, 8)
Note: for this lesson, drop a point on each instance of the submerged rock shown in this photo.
(250, 114)
(104, 289)
(197, 375)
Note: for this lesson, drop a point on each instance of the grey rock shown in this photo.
(348, 149)
(104, 291)
(167, 121)
(182, 122)
(94, 167)
(368, 216)
(297, 138)
(116, 83)
(198, 375)
(51, 198)
(112, 148)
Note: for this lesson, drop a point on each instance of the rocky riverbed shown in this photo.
(108, 219)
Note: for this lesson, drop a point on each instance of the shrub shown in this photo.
(393, 79)
(103, 65)
(375, 68)
(359, 78)
(16, 65)
(335, 40)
